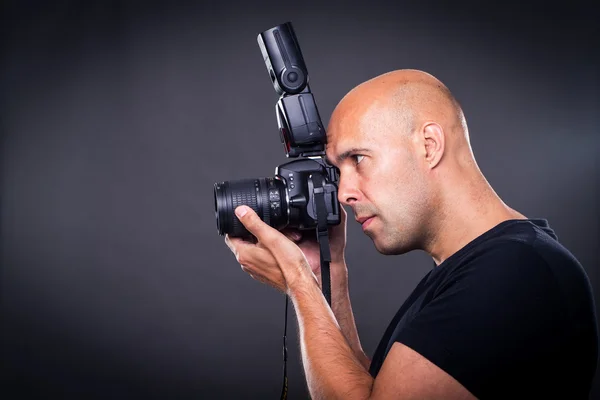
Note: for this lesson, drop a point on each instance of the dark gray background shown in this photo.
(118, 117)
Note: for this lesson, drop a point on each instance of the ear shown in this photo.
(435, 143)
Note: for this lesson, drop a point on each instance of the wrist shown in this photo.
(339, 271)
(298, 277)
(303, 282)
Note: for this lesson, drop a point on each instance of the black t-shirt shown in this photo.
(510, 315)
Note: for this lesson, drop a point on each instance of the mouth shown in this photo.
(365, 221)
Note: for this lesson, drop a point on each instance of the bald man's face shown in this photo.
(380, 176)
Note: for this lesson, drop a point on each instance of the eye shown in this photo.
(358, 158)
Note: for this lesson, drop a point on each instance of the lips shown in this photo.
(363, 219)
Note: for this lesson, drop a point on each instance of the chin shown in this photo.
(390, 248)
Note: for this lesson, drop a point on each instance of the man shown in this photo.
(507, 312)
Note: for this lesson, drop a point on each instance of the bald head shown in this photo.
(398, 102)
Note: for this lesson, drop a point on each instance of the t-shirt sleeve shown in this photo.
(489, 315)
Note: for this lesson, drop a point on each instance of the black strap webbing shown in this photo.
(325, 255)
(323, 237)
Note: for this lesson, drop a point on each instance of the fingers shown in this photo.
(343, 214)
(244, 251)
(343, 218)
(283, 251)
(255, 225)
(248, 254)
(257, 262)
(269, 237)
(264, 270)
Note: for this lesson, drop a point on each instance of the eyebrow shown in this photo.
(340, 158)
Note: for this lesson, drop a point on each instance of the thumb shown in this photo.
(252, 222)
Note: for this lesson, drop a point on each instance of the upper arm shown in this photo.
(406, 374)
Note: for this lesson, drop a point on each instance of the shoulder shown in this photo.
(508, 287)
(522, 242)
(501, 265)
(529, 263)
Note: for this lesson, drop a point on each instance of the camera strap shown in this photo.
(325, 257)
(323, 237)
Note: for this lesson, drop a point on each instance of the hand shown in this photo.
(307, 242)
(274, 259)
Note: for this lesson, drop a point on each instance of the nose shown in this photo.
(348, 191)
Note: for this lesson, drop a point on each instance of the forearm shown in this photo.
(342, 309)
(332, 368)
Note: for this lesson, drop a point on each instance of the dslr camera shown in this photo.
(303, 193)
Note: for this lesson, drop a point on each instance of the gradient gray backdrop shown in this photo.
(118, 117)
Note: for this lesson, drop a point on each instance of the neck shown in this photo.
(466, 214)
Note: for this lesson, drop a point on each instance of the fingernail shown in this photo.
(241, 211)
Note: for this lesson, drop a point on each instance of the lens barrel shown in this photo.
(266, 196)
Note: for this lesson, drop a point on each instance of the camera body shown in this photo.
(303, 192)
(304, 178)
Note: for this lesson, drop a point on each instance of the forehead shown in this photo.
(342, 140)
(369, 130)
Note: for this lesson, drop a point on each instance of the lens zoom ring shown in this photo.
(264, 195)
(239, 197)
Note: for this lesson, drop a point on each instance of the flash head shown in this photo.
(283, 59)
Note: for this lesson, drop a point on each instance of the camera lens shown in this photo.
(266, 196)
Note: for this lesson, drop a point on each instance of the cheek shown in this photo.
(409, 178)
(397, 189)
(395, 174)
